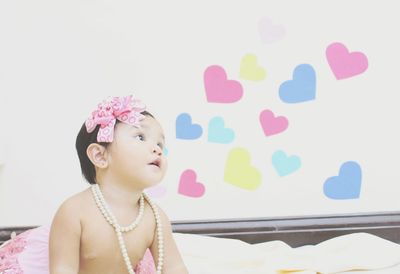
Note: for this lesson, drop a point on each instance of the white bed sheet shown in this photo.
(357, 253)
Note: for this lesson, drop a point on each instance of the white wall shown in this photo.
(59, 58)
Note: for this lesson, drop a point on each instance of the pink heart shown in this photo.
(157, 191)
(271, 124)
(269, 32)
(218, 88)
(188, 185)
(345, 64)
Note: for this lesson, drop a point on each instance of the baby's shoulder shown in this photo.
(78, 198)
(69, 214)
(75, 203)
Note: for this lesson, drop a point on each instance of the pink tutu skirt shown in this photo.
(28, 253)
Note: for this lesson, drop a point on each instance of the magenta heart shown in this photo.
(271, 124)
(344, 64)
(188, 185)
(218, 88)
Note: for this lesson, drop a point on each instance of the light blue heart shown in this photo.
(285, 165)
(165, 151)
(217, 133)
(347, 185)
(302, 88)
(185, 129)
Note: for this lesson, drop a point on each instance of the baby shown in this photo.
(120, 148)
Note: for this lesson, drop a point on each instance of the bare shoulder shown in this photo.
(70, 210)
(74, 202)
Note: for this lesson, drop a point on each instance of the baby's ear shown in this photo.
(97, 155)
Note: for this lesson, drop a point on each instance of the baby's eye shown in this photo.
(140, 137)
(161, 145)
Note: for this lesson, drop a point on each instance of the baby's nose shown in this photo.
(157, 149)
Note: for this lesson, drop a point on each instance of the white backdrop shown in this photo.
(338, 152)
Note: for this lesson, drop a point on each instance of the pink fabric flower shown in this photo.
(126, 109)
(9, 252)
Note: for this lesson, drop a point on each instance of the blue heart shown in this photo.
(285, 165)
(301, 88)
(345, 186)
(217, 133)
(185, 129)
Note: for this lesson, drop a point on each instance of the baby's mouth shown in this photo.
(156, 162)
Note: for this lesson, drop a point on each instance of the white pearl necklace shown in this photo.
(108, 215)
(105, 210)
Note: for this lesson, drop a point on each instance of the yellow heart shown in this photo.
(250, 70)
(239, 172)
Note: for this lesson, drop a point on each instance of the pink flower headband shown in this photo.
(125, 109)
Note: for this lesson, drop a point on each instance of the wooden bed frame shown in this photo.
(295, 231)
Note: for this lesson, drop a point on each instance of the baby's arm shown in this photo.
(173, 263)
(64, 242)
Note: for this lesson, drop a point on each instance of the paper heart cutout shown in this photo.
(239, 172)
(250, 70)
(165, 151)
(188, 185)
(218, 133)
(347, 185)
(269, 31)
(218, 88)
(157, 191)
(185, 129)
(343, 63)
(284, 164)
(272, 125)
(302, 88)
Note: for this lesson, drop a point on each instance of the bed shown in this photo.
(353, 243)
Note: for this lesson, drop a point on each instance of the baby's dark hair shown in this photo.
(83, 140)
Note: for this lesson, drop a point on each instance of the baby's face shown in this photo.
(136, 154)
